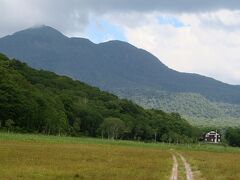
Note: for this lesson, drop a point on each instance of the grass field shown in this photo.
(24, 156)
(214, 165)
(39, 157)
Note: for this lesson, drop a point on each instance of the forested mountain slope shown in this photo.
(41, 101)
(194, 107)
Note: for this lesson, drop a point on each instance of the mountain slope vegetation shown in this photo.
(118, 65)
(197, 109)
(43, 102)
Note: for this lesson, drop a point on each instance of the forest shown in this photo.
(196, 108)
(38, 101)
(233, 136)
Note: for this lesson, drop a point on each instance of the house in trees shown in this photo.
(213, 137)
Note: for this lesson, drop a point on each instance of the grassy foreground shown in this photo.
(214, 165)
(26, 156)
(39, 157)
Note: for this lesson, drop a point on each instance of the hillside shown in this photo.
(43, 102)
(197, 109)
(118, 65)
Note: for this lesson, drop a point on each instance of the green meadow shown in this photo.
(29, 156)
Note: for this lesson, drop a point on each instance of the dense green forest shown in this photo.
(233, 136)
(197, 109)
(42, 102)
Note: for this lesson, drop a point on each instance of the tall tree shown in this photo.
(113, 127)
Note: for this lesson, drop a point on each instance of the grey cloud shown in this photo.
(73, 15)
(16, 15)
(157, 5)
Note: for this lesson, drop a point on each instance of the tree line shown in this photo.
(233, 136)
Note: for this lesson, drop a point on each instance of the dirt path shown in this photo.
(174, 175)
(188, 170)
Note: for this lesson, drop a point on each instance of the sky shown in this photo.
(197, 36)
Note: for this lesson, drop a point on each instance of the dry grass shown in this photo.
(43, 160)
(214, 165)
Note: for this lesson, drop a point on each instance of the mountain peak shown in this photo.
(40, 31)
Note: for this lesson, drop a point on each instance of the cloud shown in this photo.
(67, 15)
(173, 6)
(196, 46)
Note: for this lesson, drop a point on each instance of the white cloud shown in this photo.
(197, 47)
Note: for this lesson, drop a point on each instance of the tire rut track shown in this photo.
(188, 171)
(174, 175)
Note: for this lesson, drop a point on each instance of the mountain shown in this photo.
(43, 102)
(115, 66)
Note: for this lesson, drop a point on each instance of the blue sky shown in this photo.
(170, 21)
(102, 30)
